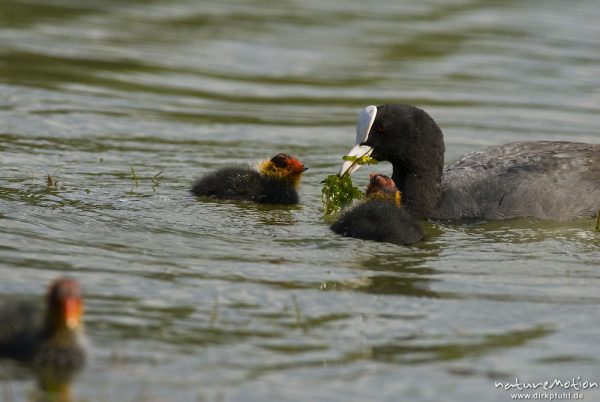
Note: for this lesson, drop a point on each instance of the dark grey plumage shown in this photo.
(542, 179)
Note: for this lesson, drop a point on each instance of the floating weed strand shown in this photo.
(155, 182)
(299, 320)
(134, 176)
(51, 182)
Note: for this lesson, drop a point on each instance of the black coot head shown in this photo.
(406, 136)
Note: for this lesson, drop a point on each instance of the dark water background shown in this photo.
(190, 300)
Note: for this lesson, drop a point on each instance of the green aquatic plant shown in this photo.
(155, 182)
(360, 160)
(338, 192)
(134, 176)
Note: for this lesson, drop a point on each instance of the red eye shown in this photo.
(380, 129)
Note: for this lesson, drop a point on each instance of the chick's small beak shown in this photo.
(73, 313)
(298, 167)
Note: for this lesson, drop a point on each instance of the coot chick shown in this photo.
(274, 182)
(50, 339)
(380, 217)
(542, 179)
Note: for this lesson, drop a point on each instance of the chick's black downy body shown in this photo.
(274, 183)
(244, 184)
(380, 217)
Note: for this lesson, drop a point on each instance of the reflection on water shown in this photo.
(392, 274)
(49, 385)
(196, 299)
(469, 346)
(54, 386)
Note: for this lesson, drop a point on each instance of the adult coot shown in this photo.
(380, 217)
(542, 179)
(274, 182)
(50, 338)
